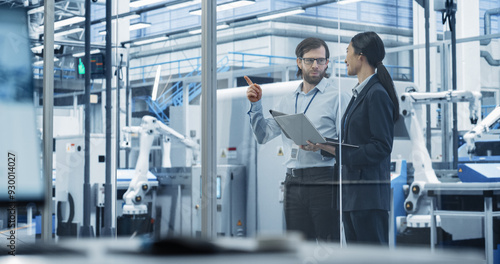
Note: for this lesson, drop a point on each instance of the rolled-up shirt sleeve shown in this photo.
(264, 129)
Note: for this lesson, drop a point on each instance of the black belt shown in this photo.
(308, 171)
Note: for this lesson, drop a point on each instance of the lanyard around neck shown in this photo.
(307, 107)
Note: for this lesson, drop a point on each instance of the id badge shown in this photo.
(294, 152)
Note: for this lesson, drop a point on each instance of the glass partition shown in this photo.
(400, 152)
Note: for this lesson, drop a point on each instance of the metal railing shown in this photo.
(59, 73)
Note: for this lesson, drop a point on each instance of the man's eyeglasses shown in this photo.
(310, 61)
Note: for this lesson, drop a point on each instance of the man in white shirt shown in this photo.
(311, 190)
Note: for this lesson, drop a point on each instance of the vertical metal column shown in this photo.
(209, 122)
(48, 112)
(127, 102)
(454, 82)
(107, 231)
(428, 126)
(117, 134)
(86, 229)
(445, 109)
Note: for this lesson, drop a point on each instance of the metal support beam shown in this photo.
(86, 230)
(453, 30)
(48, 112)
(127, 103)
(209, 122)
(117, 134)
(107, 230)
(427, 76)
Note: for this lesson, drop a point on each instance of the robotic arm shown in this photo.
(139, 185)
(484, 126)
(416, 203)
(474, 98)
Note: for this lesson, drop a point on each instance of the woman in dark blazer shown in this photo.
(369, 123)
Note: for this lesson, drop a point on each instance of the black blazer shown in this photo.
(369, 123)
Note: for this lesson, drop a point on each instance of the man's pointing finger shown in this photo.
(248, 80)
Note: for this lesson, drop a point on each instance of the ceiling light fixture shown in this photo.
(195, 31)
(81, 54)
(68, 21)
(67, 32)
(281, 13)
(222, 26)
(226, 6)
(102, 32)
(139, 25)
(181, 5)
(140, 3)
(65, 22)
(147, 41)
(345, 2)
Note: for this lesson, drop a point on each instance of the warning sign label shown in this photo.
(280, 151)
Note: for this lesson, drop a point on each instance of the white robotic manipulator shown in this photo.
(417, 204)
(139, 185)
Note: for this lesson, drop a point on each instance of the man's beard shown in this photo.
(314, 80)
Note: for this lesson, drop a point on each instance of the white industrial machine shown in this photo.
(416, 204)
(69, 181)
(432, 204)
(139, 185)
(177, 204)
(179, 201)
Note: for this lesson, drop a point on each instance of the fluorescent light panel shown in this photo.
(194, 31)
(234, 4)
(281, 14)
(102, 32)
(147, 41)
(68, 21)
(81, 54)
(67, 32)
(226, 6)
(345, 2)
(222, 26)
(144, 3)
(181, 5)
(65, 22)
(139, 25)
